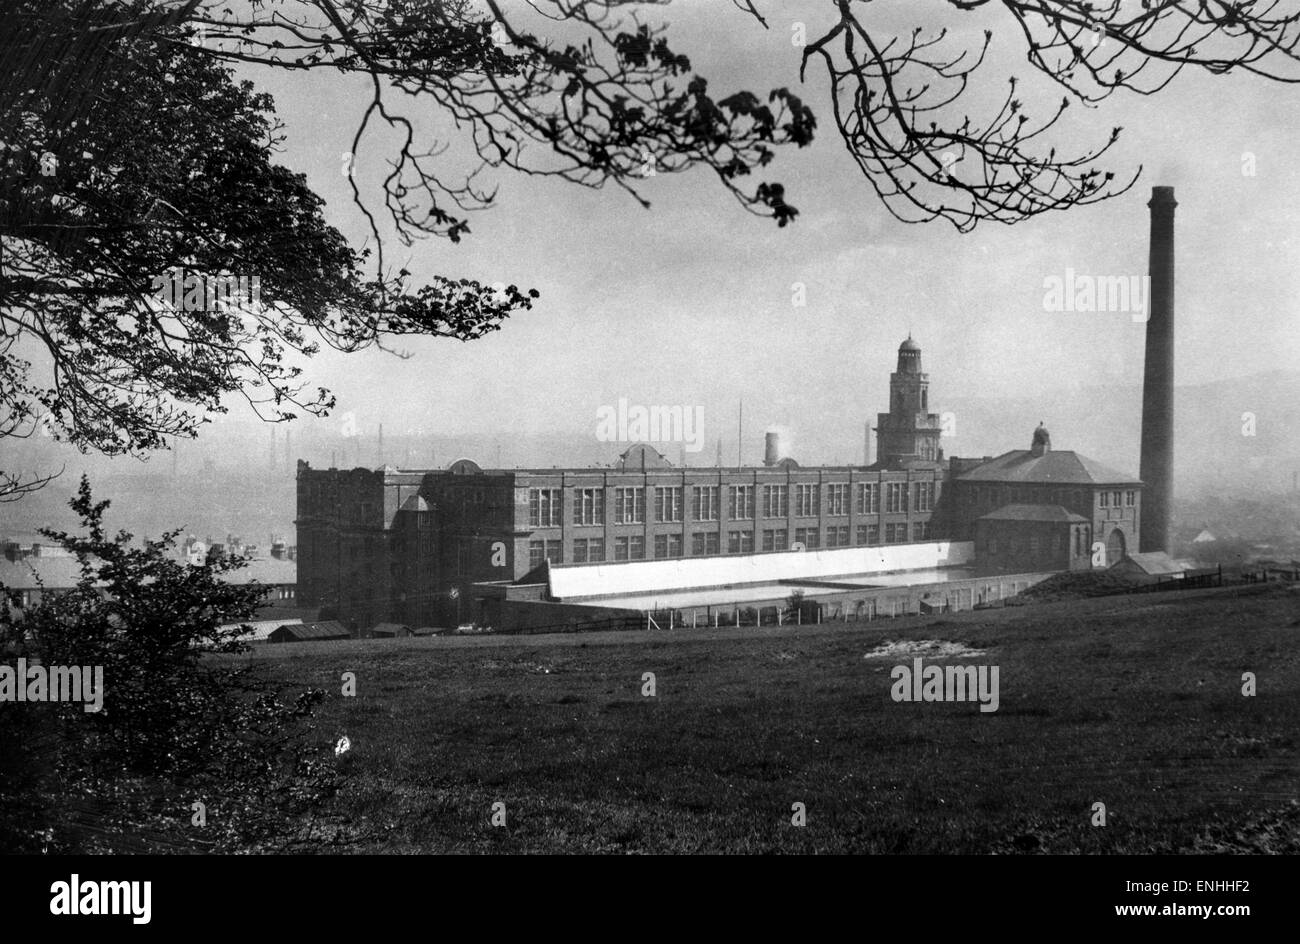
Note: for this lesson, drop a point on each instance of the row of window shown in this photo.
(1015, 494)
(705, 543)
(1109, 499)
(544, 504)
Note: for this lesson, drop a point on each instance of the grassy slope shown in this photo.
(1132, 701)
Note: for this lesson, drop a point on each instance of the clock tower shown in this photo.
(908, 435)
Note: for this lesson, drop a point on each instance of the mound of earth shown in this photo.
(1080, 583)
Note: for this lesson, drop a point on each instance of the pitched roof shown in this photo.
(389, 629)
(261, 629)
(1063, 466)
(1032, 513)
(29, 573)
(1155, 563)
(329, 629)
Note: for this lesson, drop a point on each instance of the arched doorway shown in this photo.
(1115, 547)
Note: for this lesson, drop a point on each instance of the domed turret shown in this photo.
(909, 357)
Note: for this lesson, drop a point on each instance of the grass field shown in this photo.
(1135, 702)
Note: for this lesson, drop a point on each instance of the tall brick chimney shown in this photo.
(1157, 464)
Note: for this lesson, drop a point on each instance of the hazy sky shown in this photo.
(690, 302)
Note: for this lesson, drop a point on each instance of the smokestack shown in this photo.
(740, 437)
(866, 443)
(1157, 468)
(771, 449)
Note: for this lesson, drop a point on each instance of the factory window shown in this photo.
(629, 505)
(539, 551)
(668, 545)
(924, 496)
(704, 542)
(1105, 499)
(868, 499)
(1033, 545)
(1115, 499)
(993, 545)
(837, 499)
(895, 533)
(740, 542)
(921, 531)
(868, 534)
(810, 538)
(740, 503)
(588, 550)
(668, 503)
(805, 501)
(629, 547)
(776, 539)
(1130, 497)
(705, 503)
(544, 507)
(838, 536)
(776, 501)
(925, 399)
(588, 506)
(896, 497)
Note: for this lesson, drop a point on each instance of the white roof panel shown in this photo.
(585, 581)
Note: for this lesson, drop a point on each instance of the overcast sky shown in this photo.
(690, 302)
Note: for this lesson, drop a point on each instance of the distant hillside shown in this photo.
(240, 477)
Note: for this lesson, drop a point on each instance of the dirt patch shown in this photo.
(933, 648)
